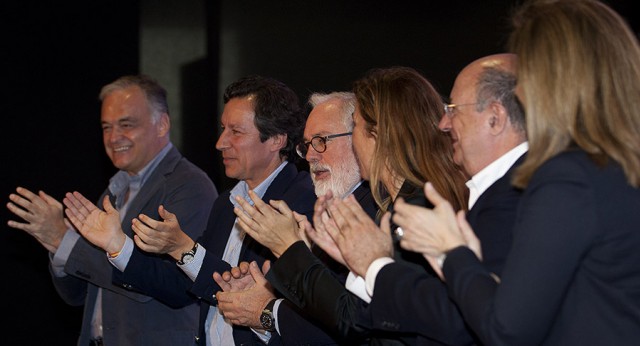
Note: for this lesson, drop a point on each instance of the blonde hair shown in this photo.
(579, 70)
(403, 109)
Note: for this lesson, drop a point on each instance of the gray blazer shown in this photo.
(131, 318)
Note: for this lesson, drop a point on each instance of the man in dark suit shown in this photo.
(328, 148)
(261, 124)
(487, 129)
(135, 123)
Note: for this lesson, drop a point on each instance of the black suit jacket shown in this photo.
(408, 300)
(310, 286)
(573, 274)
(299, 326)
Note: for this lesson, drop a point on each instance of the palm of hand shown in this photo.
(99, 226)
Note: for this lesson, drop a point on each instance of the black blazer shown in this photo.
(408, 300)
(573, 274)
(298, 326)
(307, 284)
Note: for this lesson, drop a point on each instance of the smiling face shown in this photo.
(335, 169)
(244, 156)
(364, 144)
(131, 137)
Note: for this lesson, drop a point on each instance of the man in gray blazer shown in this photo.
(135, 125)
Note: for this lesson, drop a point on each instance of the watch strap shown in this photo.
(191, 253)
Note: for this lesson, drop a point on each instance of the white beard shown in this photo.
(343, 177)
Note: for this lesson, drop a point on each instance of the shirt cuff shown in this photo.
(193, 268)
(267, 334)
(59, 259)
(122, 259)
(356, 285)
(372, 272)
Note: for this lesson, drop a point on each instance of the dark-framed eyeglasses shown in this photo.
(319, 144)
(449, 108)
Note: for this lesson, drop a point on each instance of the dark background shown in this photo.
(57, 55)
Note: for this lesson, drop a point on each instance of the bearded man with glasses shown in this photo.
(328, 148)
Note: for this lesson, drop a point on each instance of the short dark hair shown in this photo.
(277, 110)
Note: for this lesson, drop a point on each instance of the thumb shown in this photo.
(106, 204)
(469, 235)
(256, 274)
(433, 195)
(385, 223)
(48, 199)
(281, 206)
(165, 214)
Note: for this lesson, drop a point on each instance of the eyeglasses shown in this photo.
(449, 108)
(319, 144)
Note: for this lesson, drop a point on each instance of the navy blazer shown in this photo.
(573, 274)
(164, 284)
(299, 326)
(130, 317)
(292, 186)
(410, 301)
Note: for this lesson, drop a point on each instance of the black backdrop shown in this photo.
(56, 56)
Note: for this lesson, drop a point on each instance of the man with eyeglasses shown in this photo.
(328, 148)
(487, 129)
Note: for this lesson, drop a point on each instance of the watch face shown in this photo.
(187, 258)
(266, 319)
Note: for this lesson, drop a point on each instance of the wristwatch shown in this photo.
(267, 319)
(188, 256)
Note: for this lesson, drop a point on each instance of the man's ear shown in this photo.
(164, 125)
(279, 142)
(498, 117)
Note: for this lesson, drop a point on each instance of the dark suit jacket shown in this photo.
(290, 185)
(129, 317)
(408, 300)
(307, 284)
(573, 274)
(298, 326)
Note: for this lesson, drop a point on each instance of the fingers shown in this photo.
(266, 266)
(224, 284)
(244, 267)
(257, 275)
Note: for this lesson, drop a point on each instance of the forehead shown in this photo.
(129, 102)
(238, 112)
(325, 118)
(464, 87)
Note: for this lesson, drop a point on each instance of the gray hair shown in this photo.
(495, 84)
(347, 104)
(155, 94)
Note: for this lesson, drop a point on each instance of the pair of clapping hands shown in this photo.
(343, 229)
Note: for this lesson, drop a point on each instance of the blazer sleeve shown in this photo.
(188, 193)
(556, 226)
